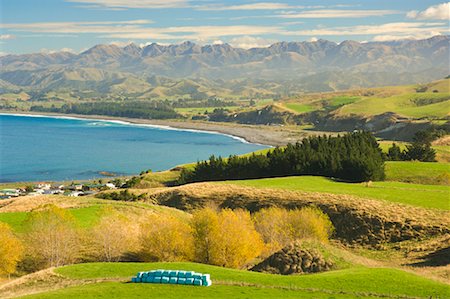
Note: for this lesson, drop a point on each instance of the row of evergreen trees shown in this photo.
(353, 157)
(133, 109)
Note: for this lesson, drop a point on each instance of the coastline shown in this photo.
(262, 135)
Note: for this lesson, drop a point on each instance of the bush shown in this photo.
(227, 238)
(167, 239)
(11, 250)
(113, 236)
(51, 237)
(123, 195)
(280, 227)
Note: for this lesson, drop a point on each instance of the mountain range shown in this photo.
(190, 69)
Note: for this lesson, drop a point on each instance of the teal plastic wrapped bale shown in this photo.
(149, 279)
(166, 273)
(197, 276)
(189, 281)
(189, 274)
(134, 279)
(158, 273)
(181, 280)
(157, 279)
(173, 273)
(173, 280)
(206, 280)
(197, 282)
(181, 274)
(165, 279)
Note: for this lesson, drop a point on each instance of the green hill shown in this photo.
(110, 280)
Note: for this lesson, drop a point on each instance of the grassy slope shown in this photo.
(418, 172)
(86, 211)
(427, 196)
(85, 217)
(401, 104)
(228, 283)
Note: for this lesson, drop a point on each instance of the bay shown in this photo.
(60, 149)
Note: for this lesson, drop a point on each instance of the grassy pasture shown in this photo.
(426, 196)
(404, 104)
(85, 217)
(418, 172)
(299, 108)
(354, 282)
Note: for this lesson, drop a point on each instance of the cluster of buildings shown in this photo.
(79, 189)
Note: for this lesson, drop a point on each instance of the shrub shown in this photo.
(11, 250)
(51, 237)
(280, 227)
(227, 238)
(113, 236)
(166, 238)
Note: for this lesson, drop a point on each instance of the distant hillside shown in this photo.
(159, 71)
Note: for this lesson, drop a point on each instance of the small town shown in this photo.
(46, 188)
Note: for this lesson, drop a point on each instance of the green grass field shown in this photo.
(402, 104)
(418, 172)
(299, 108)
(85, 217)
(228, 283)
(426, 196)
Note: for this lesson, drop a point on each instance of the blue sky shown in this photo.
(75, 25)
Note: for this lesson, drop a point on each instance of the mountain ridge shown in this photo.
(279, 62)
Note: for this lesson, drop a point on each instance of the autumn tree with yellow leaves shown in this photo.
(11, 250)
(52, 238)
(227, 238)
(166, 238)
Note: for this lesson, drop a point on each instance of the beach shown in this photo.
(258, 134)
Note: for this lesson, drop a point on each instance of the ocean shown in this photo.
(41, 148)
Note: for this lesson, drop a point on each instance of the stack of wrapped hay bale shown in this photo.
(173, 277)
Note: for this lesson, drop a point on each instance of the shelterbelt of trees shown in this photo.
(133, 109)
(353, 157)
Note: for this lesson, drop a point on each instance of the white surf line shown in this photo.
(127, 123)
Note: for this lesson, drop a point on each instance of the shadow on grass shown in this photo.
(440, 257)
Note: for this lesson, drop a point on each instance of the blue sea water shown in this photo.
(57, 149)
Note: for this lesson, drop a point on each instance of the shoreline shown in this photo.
(260, 135)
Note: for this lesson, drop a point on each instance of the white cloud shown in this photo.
(419, 29)
(313, 39)
(248, 42)
(218, 42)
(68, 50)
(3, 54)
(7, 36)
(435, 12)
(336, 13)
(384, 38)
(123, 4)
(196, 33)
(252, 6)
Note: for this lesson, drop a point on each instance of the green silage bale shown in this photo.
(166, 273)
(181, 280)
(189, 274)
(173, 280)
(189, 281)
(133, 279)
(197, 282)
(158, 273)
(165, 279)
(181, 274)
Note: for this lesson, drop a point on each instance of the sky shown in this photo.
(29, 26)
